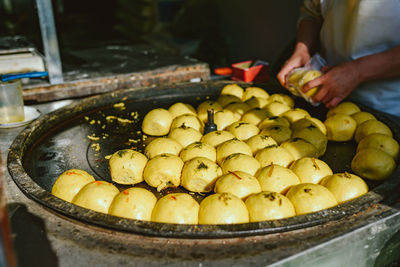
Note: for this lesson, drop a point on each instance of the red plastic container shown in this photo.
(248, 72)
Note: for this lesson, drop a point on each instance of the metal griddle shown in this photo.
(59, 141)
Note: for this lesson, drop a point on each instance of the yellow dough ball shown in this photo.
(178, 208)
(254, 92)
(300, 148)
(233, 89)
(311, 170)
(347, 108)
(255, 116)
(295, 77)
(243, 130)
(238, 183)
(274, 121)
(340, 127)
(310, 121)
(382, 142)
(231, 147)
(223, 208)
(198, 149)
(274, 155)
(282, 98)
(163, 171)
(225, 100)
(157, 122)
(296, 114)
(185, 135)
(162, 145)
(96, 195)
(279, 133)
(267, 206)
(200, 174)
(69, 183)
(257, 102)
(362, 116)
(206, 105)
(307, 77)
(188, 121)
(217, 137)
(370, 127)
(126, 166)
(373, 164)
(345, 186)
(180, 108)
(276, 178)
(314, 136)
(307, 198)
(238, 109)
(276, 108)
(240, 162)
(258, 142)
(223, 119)
(133, 203)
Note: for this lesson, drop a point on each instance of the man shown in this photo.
(360, 39)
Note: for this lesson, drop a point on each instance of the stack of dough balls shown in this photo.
(262, 163)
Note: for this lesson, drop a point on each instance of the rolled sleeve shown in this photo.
(311, 10)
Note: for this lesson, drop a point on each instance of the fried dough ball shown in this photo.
(340, 127)
(96, 195)
(69, 183)
(347, 108)
(180, 108)
(240, 162)
(198, 149)
(296, 114)
(217, 137)
(199, 174)
(126, 166)
(185, 135)
(223, 208)
(223, 119)
(254, 92)
(314, 136)
(370, 127)
(306, 122)
(225, 100)
(255, 116)
(133, 203)
(243, 130)
(258, 142)
(276, 108)
(309, 76)
(238, 109)
(279, 133)
(157, 122)
(282, 98)
(188, 121)
(163, 171)
(310, 170)
(266, 206)
(274, 155)
(238, 183)
(307, 198)
(162, 145)
(206, 105)
(382, 142)
(276, 178)
(178, 208)
(300, 148)
(233, 89)
(231, 147)
(362, 116)
(257, 102)
(345, 186)
(274, 121)
(373, 164)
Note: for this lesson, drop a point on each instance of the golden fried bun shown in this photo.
(238, 109)
(162, 145)
(157, 122)
(185, 135)
(126, 166)
(340, 127)
(217, 137)
(233, 89)
(231, 147)
(255, 116)
(310, 170)
(370, 127)
(276, 178)
(258, 142)
(382, 142)
(180, 108)
(279, 133)
(243, 130)
(347, 108)
(163, 171)
(96, 195)
(133, 203)
(198, 149)
(296, 114)
(307, 198)
(306, 122)
(274, 121)
(223, 119)
(238, 183)
(266, 206)
(69, 183)
(300, 148)
(254, 92)
(188, 121)
(274, 155)
(373, 164)
(257, 102)
(206, 105)
(225, 100)
(276, 108)
(240, 162)
(307, 77)
(199, 175)
(345, 186)
(223, 208)
(314, 136)
(362, 116)
(282, 98)
(178, 208)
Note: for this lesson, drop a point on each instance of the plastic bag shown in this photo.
(300, 76)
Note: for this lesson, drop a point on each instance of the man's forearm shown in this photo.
(308, 35)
